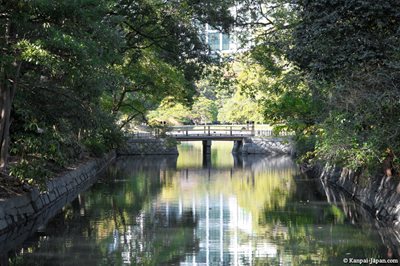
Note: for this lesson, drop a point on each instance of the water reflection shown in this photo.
(249, 210)
(228, 204)
(389, 237)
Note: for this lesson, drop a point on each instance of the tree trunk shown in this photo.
(388, 163)
(9, 79)
(6, 94)
(6, 97)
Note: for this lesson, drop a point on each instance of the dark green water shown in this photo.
(228, 211)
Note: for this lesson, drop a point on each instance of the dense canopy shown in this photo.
(74, 74)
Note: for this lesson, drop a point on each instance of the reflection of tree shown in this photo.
(163, 241)
(256, 188)
(357, 215)
(308, 232)
(113, 223)
(220, 155)
(145, 213)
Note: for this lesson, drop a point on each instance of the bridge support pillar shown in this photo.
(237, 146)
(237, 161)
(206, 153)
(206, 146)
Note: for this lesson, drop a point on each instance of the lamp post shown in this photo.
(159, 130)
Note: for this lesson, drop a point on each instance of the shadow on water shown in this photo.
(357, 215)
(110, 224)
(213, 210)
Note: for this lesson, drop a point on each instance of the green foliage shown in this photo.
(240, 109)
(170, 142)
(95, 145)
(369, 28)
(171, 112)
(204, 110)
(166, 57)
(333, 71)
(305, 146)
(351, 44)
(98, 142)
(33, 172)
(83, 70)
(218, 82)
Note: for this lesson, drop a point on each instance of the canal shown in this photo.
(168, 210)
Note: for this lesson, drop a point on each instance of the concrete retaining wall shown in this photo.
(149, 147)
(270, 146)
(19, 210)
(379, 194)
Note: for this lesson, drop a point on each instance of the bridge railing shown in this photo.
(270, 133)
(141, 135)
(211, 130)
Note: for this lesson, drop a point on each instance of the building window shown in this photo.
(213, 40)
(225, 42)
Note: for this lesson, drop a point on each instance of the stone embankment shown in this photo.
(149, 147)
(20, 210)
(270, 146)
(379, 194)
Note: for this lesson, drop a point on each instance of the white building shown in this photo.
(219, 42)
(227, 44)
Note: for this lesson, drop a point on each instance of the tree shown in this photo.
(70, 69)
(350, 46)
(169, 111)
(10, 68)
(335, 66)
(61, 52)
(204, 110)
(147, 83)
(240, 109)
(166, 53)
(44, 50)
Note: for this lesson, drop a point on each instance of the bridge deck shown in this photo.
(211, 137)
(212, 132)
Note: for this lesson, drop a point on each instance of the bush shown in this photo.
(33, 172)
(95, 146)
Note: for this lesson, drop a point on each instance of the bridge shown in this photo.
(208, 133)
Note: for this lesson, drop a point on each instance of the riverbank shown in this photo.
(379, 194)
(18, 210)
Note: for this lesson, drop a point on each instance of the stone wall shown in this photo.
(270, 146)
(379, 194)
(20, 210)
(149, 147)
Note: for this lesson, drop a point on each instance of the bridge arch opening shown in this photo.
(203, 154)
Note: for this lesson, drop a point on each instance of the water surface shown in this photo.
(194, 210)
